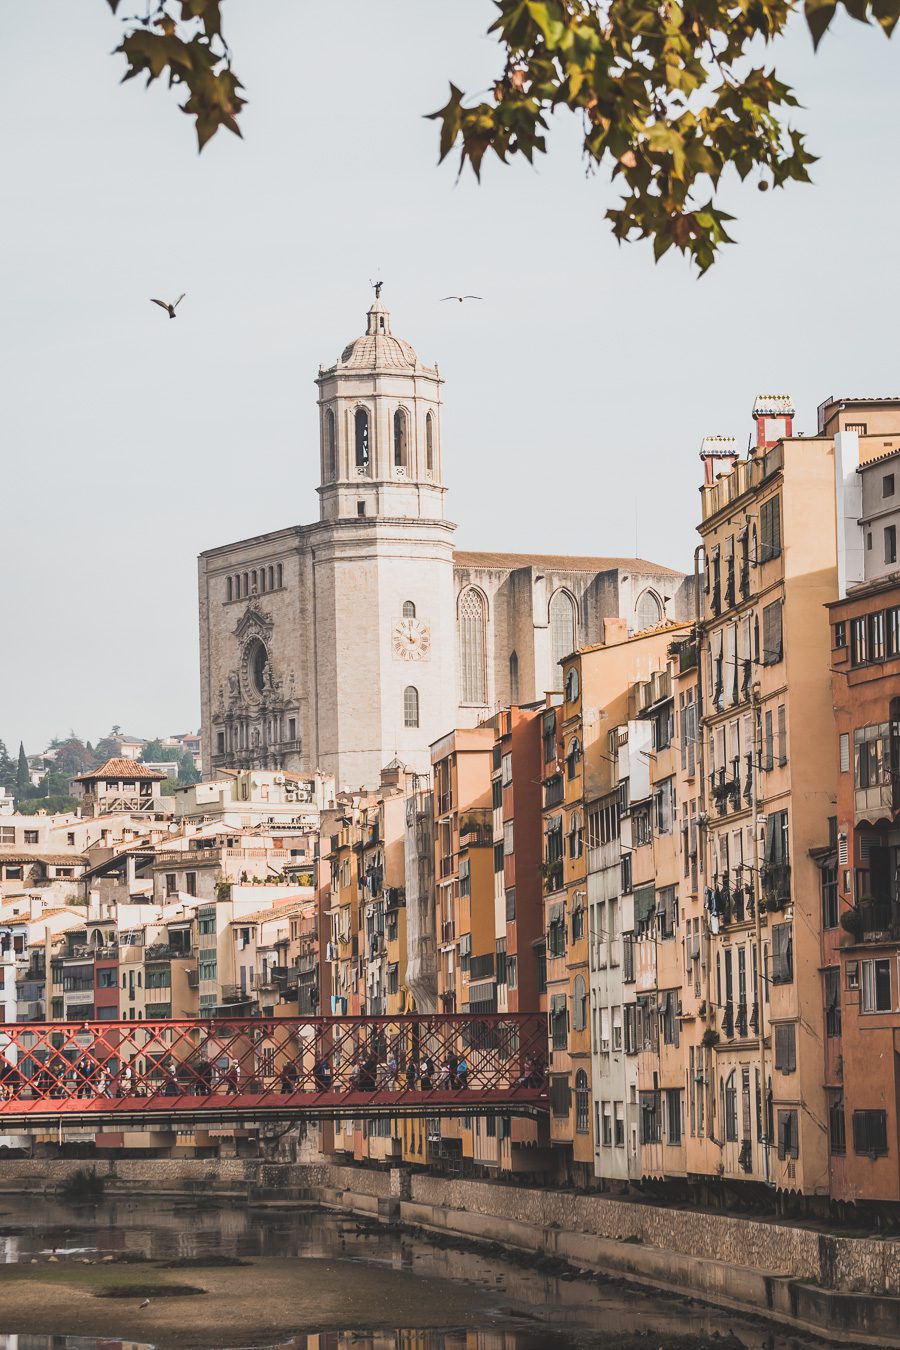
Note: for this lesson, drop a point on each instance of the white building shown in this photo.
(340, 644)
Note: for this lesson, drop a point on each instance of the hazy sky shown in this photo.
(582, 385)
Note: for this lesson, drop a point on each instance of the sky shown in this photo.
(577, 393)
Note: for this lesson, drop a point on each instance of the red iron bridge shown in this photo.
(161, 1074)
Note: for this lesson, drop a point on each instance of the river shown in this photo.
(77, 1277)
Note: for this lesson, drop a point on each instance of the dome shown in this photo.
(377, 348)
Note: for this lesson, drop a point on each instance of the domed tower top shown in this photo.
(380, 428)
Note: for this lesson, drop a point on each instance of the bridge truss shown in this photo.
(146, 1074)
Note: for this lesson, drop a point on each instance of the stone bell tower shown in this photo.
(383, 560)
(379, 428)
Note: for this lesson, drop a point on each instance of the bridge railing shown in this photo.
(56, 1065)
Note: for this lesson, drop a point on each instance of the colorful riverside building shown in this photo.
(596, 763)
(859, 869)
(775, 539)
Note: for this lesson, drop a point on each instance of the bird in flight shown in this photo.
(145, 1304)
(461, 298)
(170, 309)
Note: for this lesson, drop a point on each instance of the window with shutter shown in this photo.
(788, 1139)
(772, 634)
(870, 1132)
(782, 953)
(770, 529)
(782, 734)
(786, 1047)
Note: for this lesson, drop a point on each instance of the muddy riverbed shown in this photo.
(223, 1274)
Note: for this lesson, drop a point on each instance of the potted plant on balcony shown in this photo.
(852, 923)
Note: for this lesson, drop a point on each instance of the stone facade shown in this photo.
(341, 644)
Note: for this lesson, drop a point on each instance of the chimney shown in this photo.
(774, 418)
(718, 454)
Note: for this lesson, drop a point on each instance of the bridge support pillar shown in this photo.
(401, 1183)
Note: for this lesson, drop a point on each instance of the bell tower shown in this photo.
(379, 428)
(383, 611)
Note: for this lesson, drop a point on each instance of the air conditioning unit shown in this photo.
(278, 780)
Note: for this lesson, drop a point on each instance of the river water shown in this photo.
(499, 1304)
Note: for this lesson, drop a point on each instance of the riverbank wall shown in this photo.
(847, 1288)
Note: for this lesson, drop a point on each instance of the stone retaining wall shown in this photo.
(869, 1265)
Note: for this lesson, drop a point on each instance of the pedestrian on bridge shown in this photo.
(322, 1074)
(412, 1073)
(462, 1074)
(289, 1078)
(427, 1077)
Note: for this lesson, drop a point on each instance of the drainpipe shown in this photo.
(760, 963)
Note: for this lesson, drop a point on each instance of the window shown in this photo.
(875, 986)
(782, 953)
(556, 932)
(410, 706)
(786, 1047)
(511, 904)
(833, 1001)
(471, 638)
(229, 589)
(330, 463)
(837, 1129)
(890, 543)
(292, 729)
(401, 439)
(772, 651)
(8, 835)
(782, 735)
(509, 841)
(606, 1124)
(872, 755)
(840, 634)
(829, 897)
(845, 751)
(572, 684)
(870, 1132)
(770, 529)
(649, 1117)
(729, 1102)
(171, 883)
(581, 1102)
(409, 609)
(887, 485)
(106, 978)
(361, 422)
(562, 632)
(788, 1137)
(513, 677)
(573, 758)
(560, 1095)
(859, 641)
(559, 1022)
(548, 733)
(619, 1124)
(852, 974)
(31, 836)
(648, 611)
(429, 443)
(579, 1004)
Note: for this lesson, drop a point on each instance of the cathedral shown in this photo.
(366, 635)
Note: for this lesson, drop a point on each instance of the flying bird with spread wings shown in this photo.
(170, 309)
(461, 298)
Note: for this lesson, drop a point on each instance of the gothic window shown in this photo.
(271, 578)
(329, 447)
(246, 586)
(648, 612)
(401, 439)
(262, 579)
(429, 443)
(409, 609)
(229, 587)
(362, 438)
(410, 706)
(514, 677)
(562, 631)
(280, 576)
(471, 634)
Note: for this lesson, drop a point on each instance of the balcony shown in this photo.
(776, 885)
(476, 829)
(876, 803)
(874, 920)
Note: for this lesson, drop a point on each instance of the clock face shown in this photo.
(412, 639)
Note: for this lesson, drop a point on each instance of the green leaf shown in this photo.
(819, 14)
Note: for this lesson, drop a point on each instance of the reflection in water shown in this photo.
(529, 1310)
